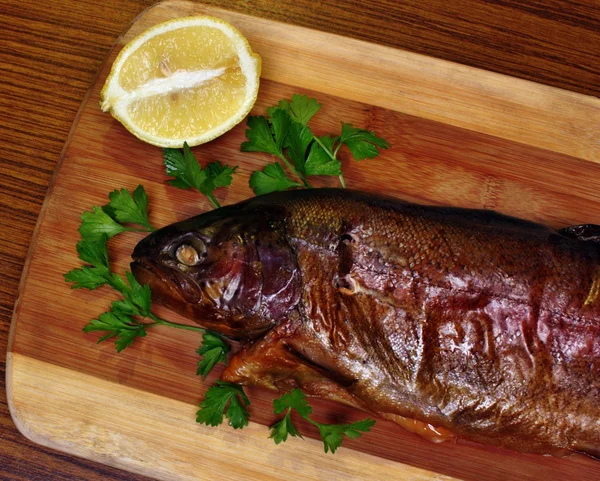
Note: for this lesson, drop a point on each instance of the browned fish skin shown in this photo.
(482, 324)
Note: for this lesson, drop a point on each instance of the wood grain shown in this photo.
(473, 157)
(52, 50)
(103, 434)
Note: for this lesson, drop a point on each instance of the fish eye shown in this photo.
(187, 255)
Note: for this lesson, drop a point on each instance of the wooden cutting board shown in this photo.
(459, 136)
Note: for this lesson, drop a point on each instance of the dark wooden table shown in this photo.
(50, 51)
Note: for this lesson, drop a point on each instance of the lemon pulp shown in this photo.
(190, 81)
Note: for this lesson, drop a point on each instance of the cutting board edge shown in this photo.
(21, 425)
(510, 99)
(31, 435)
(57, 170)
(10, 354)
(118, 45)
(102, 446)
(45, 439)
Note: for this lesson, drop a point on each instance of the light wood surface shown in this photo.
(165, 445)
(460, 136)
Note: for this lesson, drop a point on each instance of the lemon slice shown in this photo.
(189, 79)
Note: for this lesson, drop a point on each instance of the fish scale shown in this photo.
(460, 322)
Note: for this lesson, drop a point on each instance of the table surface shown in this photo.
(50, 52)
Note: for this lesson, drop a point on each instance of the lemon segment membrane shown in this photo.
(189, 79)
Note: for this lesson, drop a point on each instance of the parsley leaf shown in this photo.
(129, 209)
(219, 175)
(140, 296)
(125, 337)
(213, 350)
(94, 253)
(184, 167)
(327, 142)
(285, 134)
(88, 277)
(284, 428)
(125, 328)
(224, 398)
(187, 172)
(260, 137)
(270, 136)
(119, 320)
(301, 108)
(106, 222)
(295, 399)
(333, 434)
(280, 125)
(297, 142)
(96, 224)
(125, 307)
(271, 179)
(362, 143)
(319, 162)
(97, 273)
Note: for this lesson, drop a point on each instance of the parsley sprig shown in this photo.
(286, 135)
(224, 399)
(129, 208)
(228, 400)
(124, 208)
(213, 350)
(130, 316)
(283, 133)
(332, 435)
(187, 173)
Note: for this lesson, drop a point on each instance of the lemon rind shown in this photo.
(250, 64)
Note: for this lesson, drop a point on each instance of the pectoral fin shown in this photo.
(273, 363)
(425, 430)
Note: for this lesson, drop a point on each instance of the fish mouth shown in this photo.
(164, 282)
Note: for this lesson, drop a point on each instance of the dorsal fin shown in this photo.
(582, 232)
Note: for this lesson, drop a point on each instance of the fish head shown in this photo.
(230, 270)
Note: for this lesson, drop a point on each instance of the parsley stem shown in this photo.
(332, 156)
(337, 149)
(213, 200)
(295, 172)
(329, 153)
(158, 320)
(147, 229)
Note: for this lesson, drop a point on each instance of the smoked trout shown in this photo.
(452, 322)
